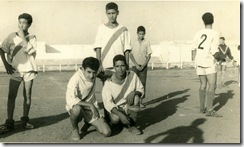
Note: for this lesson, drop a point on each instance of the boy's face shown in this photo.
(89, 74)
(23, 24)
(141, 35)
(120, 68)
(112, 15)
(222, 41)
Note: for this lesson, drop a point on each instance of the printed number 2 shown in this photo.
(204, 36)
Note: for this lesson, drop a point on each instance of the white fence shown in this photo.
(168, 54)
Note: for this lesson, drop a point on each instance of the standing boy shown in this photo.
(206, 44)
(140, 56)
(81, 101)
(112, 39)
(20, 64)
(225, 52)
(121, 94)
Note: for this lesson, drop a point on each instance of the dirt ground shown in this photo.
(171, 115)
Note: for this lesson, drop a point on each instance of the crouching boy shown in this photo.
(81, 101)
(121, 96)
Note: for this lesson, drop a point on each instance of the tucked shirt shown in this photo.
(79, 88)
(118, 47)
(111, 91)
(16, 56)
(141, 50)
(206, 42)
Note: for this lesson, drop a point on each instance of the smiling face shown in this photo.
(89, 74)
(23, 24)
(112, 15)
(120, 68)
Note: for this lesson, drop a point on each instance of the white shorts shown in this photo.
(221, 63)
(206, 70)
(23, 76)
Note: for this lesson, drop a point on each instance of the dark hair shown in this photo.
(223, 38)
(119, 58)
(91, 62)
(208, 18)
(112, 5)
(26, 16)
(141, 28)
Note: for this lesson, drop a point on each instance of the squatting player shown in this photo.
(206, 43)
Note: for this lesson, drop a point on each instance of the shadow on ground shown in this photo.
(38, 123)
(227, 83)
(181, 134)
(150, 116)
(222, 99)
(170, 95)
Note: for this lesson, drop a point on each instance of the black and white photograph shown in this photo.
(120, 72)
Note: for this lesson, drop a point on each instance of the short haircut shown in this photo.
(141, 28)
(208, 18)
(119, 58)
(26, 16)
(91, 62)
(223, 38)
(112, 5)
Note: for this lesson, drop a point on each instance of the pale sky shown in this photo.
(76, 22)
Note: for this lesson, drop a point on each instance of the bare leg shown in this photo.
(13, 90)
(102, 127)
(75, 117)
(202, 92)
(27, 97)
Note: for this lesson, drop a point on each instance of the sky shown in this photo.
(76, 22)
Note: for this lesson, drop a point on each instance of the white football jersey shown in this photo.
(206, 43)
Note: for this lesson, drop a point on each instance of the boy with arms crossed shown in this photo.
(206, 43)
(140, 56)
(20, 64)
(121, 95)
(81, 101)
(112, 39)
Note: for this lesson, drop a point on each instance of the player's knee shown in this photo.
(114, 119)
(107, 132)
(76, 110)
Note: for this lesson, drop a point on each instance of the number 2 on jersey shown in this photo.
(204, 37)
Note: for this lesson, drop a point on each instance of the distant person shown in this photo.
(238, 64)
(20, 64)
(81, 101)
(206, 44)
(221, 64)
(121, 95)
(112, 39)
(140, 56)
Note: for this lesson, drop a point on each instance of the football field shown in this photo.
(171, 114)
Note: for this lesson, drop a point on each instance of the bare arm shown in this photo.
(8, 67)
(90, 106)
(133, 59)
(147, 60)
(127, 58)
(124, 119)
(99, 55)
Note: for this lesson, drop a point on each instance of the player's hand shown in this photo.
(9, 68)
(124, 119)
(100, 69)
(130, 98)
(138, 67)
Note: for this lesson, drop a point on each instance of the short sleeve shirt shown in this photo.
(16, 56)
(141, 50)
(119, 46)
(206, 42)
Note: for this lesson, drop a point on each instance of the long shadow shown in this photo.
(227, 83)
(181, 134)
(170, 95)
(38, 123)
(150, 116)
(222, 99)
